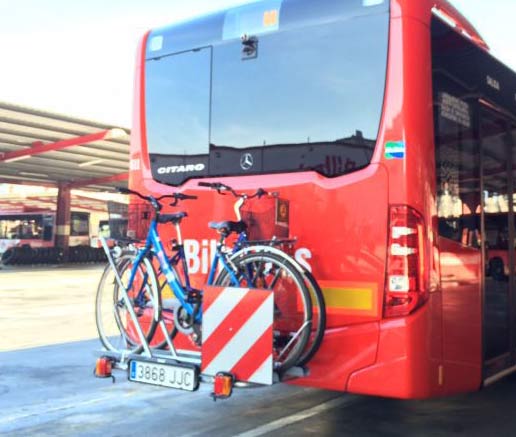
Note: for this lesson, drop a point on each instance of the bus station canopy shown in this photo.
(49, 149)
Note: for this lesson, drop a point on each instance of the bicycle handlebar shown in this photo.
(215, 185)
(155, 202)
(181, 196)
(128, 191)
(220, 187)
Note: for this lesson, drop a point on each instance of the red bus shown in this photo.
(390, 129)
(36, 228)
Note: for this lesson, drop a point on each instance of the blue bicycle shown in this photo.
(144, 272)
(128, 289)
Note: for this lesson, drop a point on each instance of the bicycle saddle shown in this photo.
(227, 227)
(172, 218)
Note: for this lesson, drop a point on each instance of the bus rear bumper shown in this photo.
(407, 364)
(342, 351)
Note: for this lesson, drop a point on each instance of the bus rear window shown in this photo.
(305, 95)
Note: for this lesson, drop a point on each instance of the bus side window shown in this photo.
(457, 161)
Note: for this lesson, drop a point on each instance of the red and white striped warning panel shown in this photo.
(237, 333)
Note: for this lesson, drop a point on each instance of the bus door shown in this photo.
(498, 152)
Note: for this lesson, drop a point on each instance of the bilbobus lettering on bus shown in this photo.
(181, 168)
(302, 255)
(199, 255)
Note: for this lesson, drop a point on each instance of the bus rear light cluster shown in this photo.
(406, 285)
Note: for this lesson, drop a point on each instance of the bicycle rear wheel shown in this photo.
(292, 304)
(318, 326)
(318, 319)
(116, 329)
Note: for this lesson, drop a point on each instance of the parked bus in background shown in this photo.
(390, 130)
(36, 228)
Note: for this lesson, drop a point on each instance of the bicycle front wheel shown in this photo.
(292, 303)
(116, 328)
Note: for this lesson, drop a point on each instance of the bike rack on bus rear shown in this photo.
(172, 356)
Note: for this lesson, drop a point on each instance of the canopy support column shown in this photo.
(63, 218)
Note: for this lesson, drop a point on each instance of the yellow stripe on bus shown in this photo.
(361, 299)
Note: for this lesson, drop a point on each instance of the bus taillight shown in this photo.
(405, 288)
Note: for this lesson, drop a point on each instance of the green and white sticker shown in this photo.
(395, 150)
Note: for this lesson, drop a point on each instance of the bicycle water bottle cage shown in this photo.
(172, 218)
(227, 227)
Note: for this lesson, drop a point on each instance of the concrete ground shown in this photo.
(47, 335)
(47, 305)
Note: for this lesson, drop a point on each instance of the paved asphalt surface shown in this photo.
(50, 390)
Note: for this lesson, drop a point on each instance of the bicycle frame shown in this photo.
(153, 244)
(153, 241)
(222, 258)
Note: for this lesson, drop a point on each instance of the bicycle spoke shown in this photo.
(260, 281)
(275, 279)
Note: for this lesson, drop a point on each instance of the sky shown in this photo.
(77, 57)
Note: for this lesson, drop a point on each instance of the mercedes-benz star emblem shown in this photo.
(246, 161)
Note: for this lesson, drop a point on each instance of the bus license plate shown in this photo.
(165, 375)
